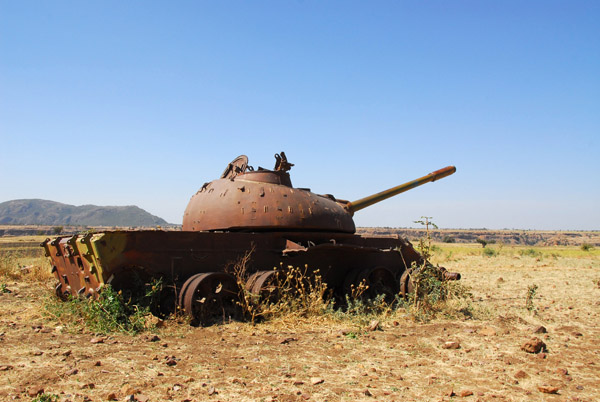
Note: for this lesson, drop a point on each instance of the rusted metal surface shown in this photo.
(209, 297)
(384, 195)
(265, 200)
(245, 211)
(178, 255)
(262, 284)
(449, 276)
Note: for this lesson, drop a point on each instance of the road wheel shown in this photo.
(210, 298)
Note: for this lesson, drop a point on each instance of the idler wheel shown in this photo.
(407, 285)
(210, 298)
(380, 281)
(262, 284)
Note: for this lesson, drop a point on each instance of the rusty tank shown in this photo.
(254, 216)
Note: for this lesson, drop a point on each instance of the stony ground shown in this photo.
(476, 359)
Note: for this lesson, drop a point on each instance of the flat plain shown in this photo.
(470, 349)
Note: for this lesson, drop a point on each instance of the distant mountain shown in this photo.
(44, 212)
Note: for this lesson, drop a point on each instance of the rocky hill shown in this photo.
(44, 212)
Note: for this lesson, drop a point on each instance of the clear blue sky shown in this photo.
(141, 102)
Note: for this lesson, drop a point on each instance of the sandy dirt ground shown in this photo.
(473, 359)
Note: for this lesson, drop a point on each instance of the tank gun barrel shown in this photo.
(357, 205)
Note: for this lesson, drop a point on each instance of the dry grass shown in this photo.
(23, 263)
(286, 359)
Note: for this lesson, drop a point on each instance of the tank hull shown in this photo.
(82, 264)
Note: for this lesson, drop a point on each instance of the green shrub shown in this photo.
(531, 291)
(489, 252)
(530, 252)
(586, 247)
(45, 398)
(111, 312)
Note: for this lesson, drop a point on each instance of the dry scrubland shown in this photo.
(469, 349)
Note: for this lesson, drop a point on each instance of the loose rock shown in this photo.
(487, 331)
(547, 389)
(521, 374)
(449, 392)
(534, 345)
(451, 345)
(540, 330)
(316, 380)
(35, 391)
(373, 325)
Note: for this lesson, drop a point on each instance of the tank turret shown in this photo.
(244, 199)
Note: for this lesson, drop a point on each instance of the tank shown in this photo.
(248, 216)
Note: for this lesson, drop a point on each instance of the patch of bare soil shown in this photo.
(479, 359)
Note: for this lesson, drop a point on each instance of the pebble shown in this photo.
(35, 391)
(521, 374)
(373, 325)
(487, 331)
(562, 371)
(451, 345)
(449, 392)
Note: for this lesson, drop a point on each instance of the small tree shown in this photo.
(449, 239)
(57, 230)
(483, 242)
